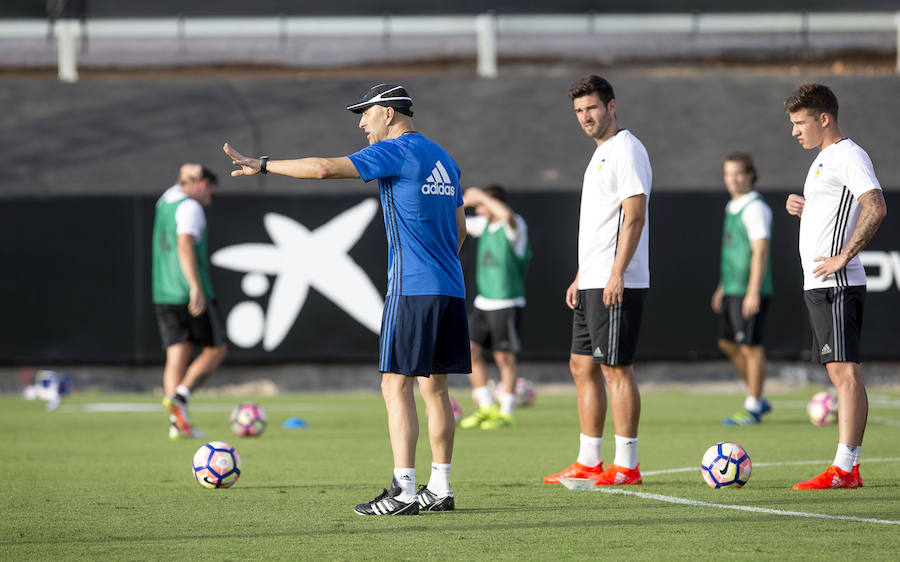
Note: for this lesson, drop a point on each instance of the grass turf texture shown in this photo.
(107, 485)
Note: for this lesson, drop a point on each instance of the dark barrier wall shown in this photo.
(76, 288)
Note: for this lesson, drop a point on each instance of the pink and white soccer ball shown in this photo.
(524, 392)
(726, 464)
(248, 420)
(457, 411)
(822, 408)
(216, 465)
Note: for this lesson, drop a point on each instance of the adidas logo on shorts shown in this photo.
(826, 349)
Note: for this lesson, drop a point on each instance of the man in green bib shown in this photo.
(186, 309)
(495, 320)
(742, 296)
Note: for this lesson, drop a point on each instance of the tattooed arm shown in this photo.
(872, 212)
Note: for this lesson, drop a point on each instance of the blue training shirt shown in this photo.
(420, 191)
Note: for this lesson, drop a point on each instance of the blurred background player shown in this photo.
(840, 211)
(608, 293)
(424, 329)
(496, 318)
(742, 296)
(186, 310)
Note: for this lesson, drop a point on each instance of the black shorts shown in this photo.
(423, 335)
(497, 330)
(835, 316)
(176, 325)
(735, 328)
(608, 334)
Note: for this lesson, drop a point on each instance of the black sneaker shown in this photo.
(429, 501)
(385, 504)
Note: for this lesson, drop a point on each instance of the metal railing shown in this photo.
(486, 28)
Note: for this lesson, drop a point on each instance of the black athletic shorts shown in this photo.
(497, 330)
(735, 328)
(608, 334)
(835, 316)
(177, 325)
(423, 335)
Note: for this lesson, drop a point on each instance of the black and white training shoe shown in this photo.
(385, 504)
(429, 501)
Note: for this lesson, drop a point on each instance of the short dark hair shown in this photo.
(496, 191)
(744, 159)
(592, 84)
(207, 174)
(815, 98)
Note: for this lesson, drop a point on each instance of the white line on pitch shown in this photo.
(757, 464)
(696, 503)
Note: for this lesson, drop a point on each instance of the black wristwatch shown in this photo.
(263, 160)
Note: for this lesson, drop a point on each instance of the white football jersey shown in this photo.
(838, 176)
(619, 169)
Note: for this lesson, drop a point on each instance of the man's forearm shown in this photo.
(872, 212)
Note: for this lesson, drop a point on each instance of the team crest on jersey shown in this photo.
(600, 165)
(438, 183)
(818, 171)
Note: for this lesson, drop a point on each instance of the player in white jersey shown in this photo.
(840, 210)
(608, 293)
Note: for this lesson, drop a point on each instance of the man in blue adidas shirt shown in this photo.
(424, 329)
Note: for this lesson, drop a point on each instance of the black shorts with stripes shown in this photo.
(497, 330)
(176, 325)
(735, 328)
(835, 316)
(608, 334)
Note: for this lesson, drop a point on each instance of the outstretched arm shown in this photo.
(477, 196)
(303, 168)
(872, 211)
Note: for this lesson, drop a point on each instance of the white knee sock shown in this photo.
(753, 404)
(405, 478)
(440, 479)
(507, 403)
(846, 456)
(589, 450)
(626, 451)
(184, 392)
(483, 397)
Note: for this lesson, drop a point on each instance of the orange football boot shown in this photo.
(575, 470)
(833, 477)
(855, 472)
(615, 475)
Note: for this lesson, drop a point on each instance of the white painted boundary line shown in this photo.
(697, 503)
(758, 464)
(140, 407)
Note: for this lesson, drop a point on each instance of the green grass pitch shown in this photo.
(84, 484)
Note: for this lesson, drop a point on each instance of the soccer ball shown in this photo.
(725, 464)
(217, 465)
(247, 420)
(822, 408)
(457, 411)
(524, 392)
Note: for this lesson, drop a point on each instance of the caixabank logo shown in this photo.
(299, 259)
(882, 270)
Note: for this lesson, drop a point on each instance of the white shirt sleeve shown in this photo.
(757, 219)
(518, 237)
(633, 175)
(190, 218)
(859, 174)
(475, 225)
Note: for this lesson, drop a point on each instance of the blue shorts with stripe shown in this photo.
(423, 335)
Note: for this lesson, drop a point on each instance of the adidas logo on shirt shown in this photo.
(438, 183)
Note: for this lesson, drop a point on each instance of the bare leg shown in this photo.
(591, 394)
(204, 365)
(509, 370)
(403, 422)
(624, 399)
(853, 405)
(441, 425)
(479, 375)
(177, 357)
(754, 357)
(733, 352)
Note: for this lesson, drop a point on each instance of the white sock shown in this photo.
(753, 404)
(856, 456)
(439, 484)
(589, 451)
(846, 456)
(507, 403)
(626, 451)
(184, 392)
(483, 397)
(405, 478)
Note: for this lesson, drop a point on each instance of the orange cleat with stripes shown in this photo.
(616, 475)
(576, 470)
(855, 472)
(833, 477)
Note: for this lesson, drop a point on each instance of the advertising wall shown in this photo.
(302, 278)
